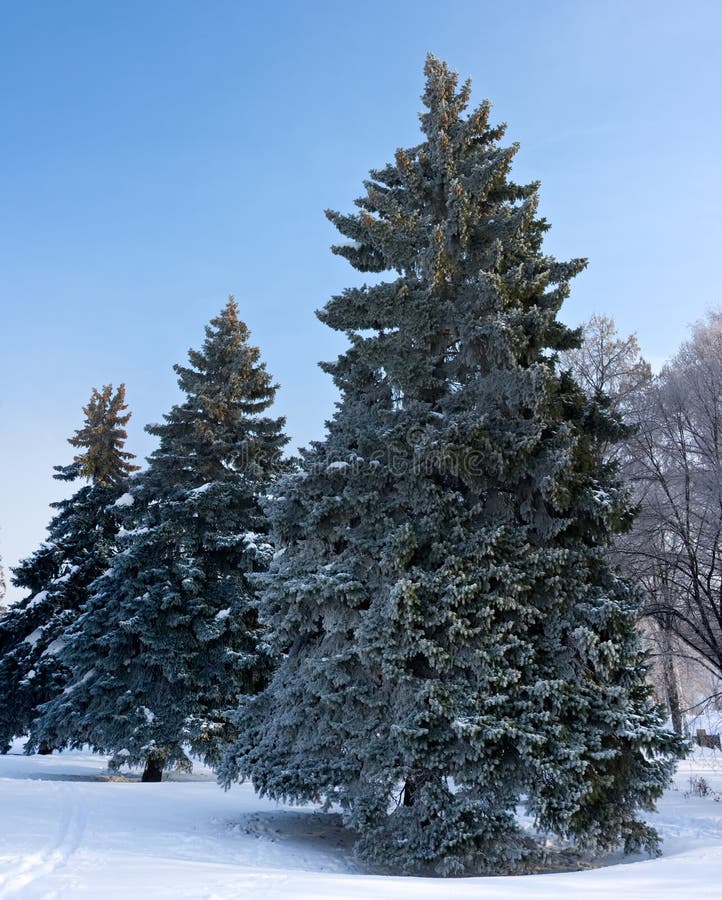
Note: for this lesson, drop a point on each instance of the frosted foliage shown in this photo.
(171, 633)
(453, 640)
(82, 536)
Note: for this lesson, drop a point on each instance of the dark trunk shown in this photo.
(44, 749)
(409, 792)
(153, 769)
(671, 685)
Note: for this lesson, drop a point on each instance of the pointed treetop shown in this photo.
(228, 389)
(440, 93)
(226, 335)
(227, 321)
(103, 438)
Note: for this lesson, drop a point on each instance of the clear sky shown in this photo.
(156, 156)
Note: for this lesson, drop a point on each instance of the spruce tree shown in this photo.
(170, 638)
(455, 641)
(81, 539)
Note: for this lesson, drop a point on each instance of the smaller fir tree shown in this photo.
(102, 438)
(81, 540)
(171, 637)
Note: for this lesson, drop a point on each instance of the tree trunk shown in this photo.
(671, 684)
(153, 768)
(44, 749)
(409, 791)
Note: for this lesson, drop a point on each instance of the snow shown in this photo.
(37, 599)
(54, 647)
(196, 492)
(71, 829)
(71, 687)
(130, 532)
(33, 637)
(125, 500)
(62, 579)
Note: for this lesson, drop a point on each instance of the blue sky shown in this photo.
(157, 156)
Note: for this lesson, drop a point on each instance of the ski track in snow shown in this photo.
(71, 826)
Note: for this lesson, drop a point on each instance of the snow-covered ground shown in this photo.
(70, 829)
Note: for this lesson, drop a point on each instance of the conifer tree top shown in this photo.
(465, 242)
(103, 436)
(221, 420)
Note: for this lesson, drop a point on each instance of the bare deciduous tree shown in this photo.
(607, 365)
(676, 544)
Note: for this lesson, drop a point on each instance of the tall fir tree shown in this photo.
(455, 640)
(170, 638)
(81, 540)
